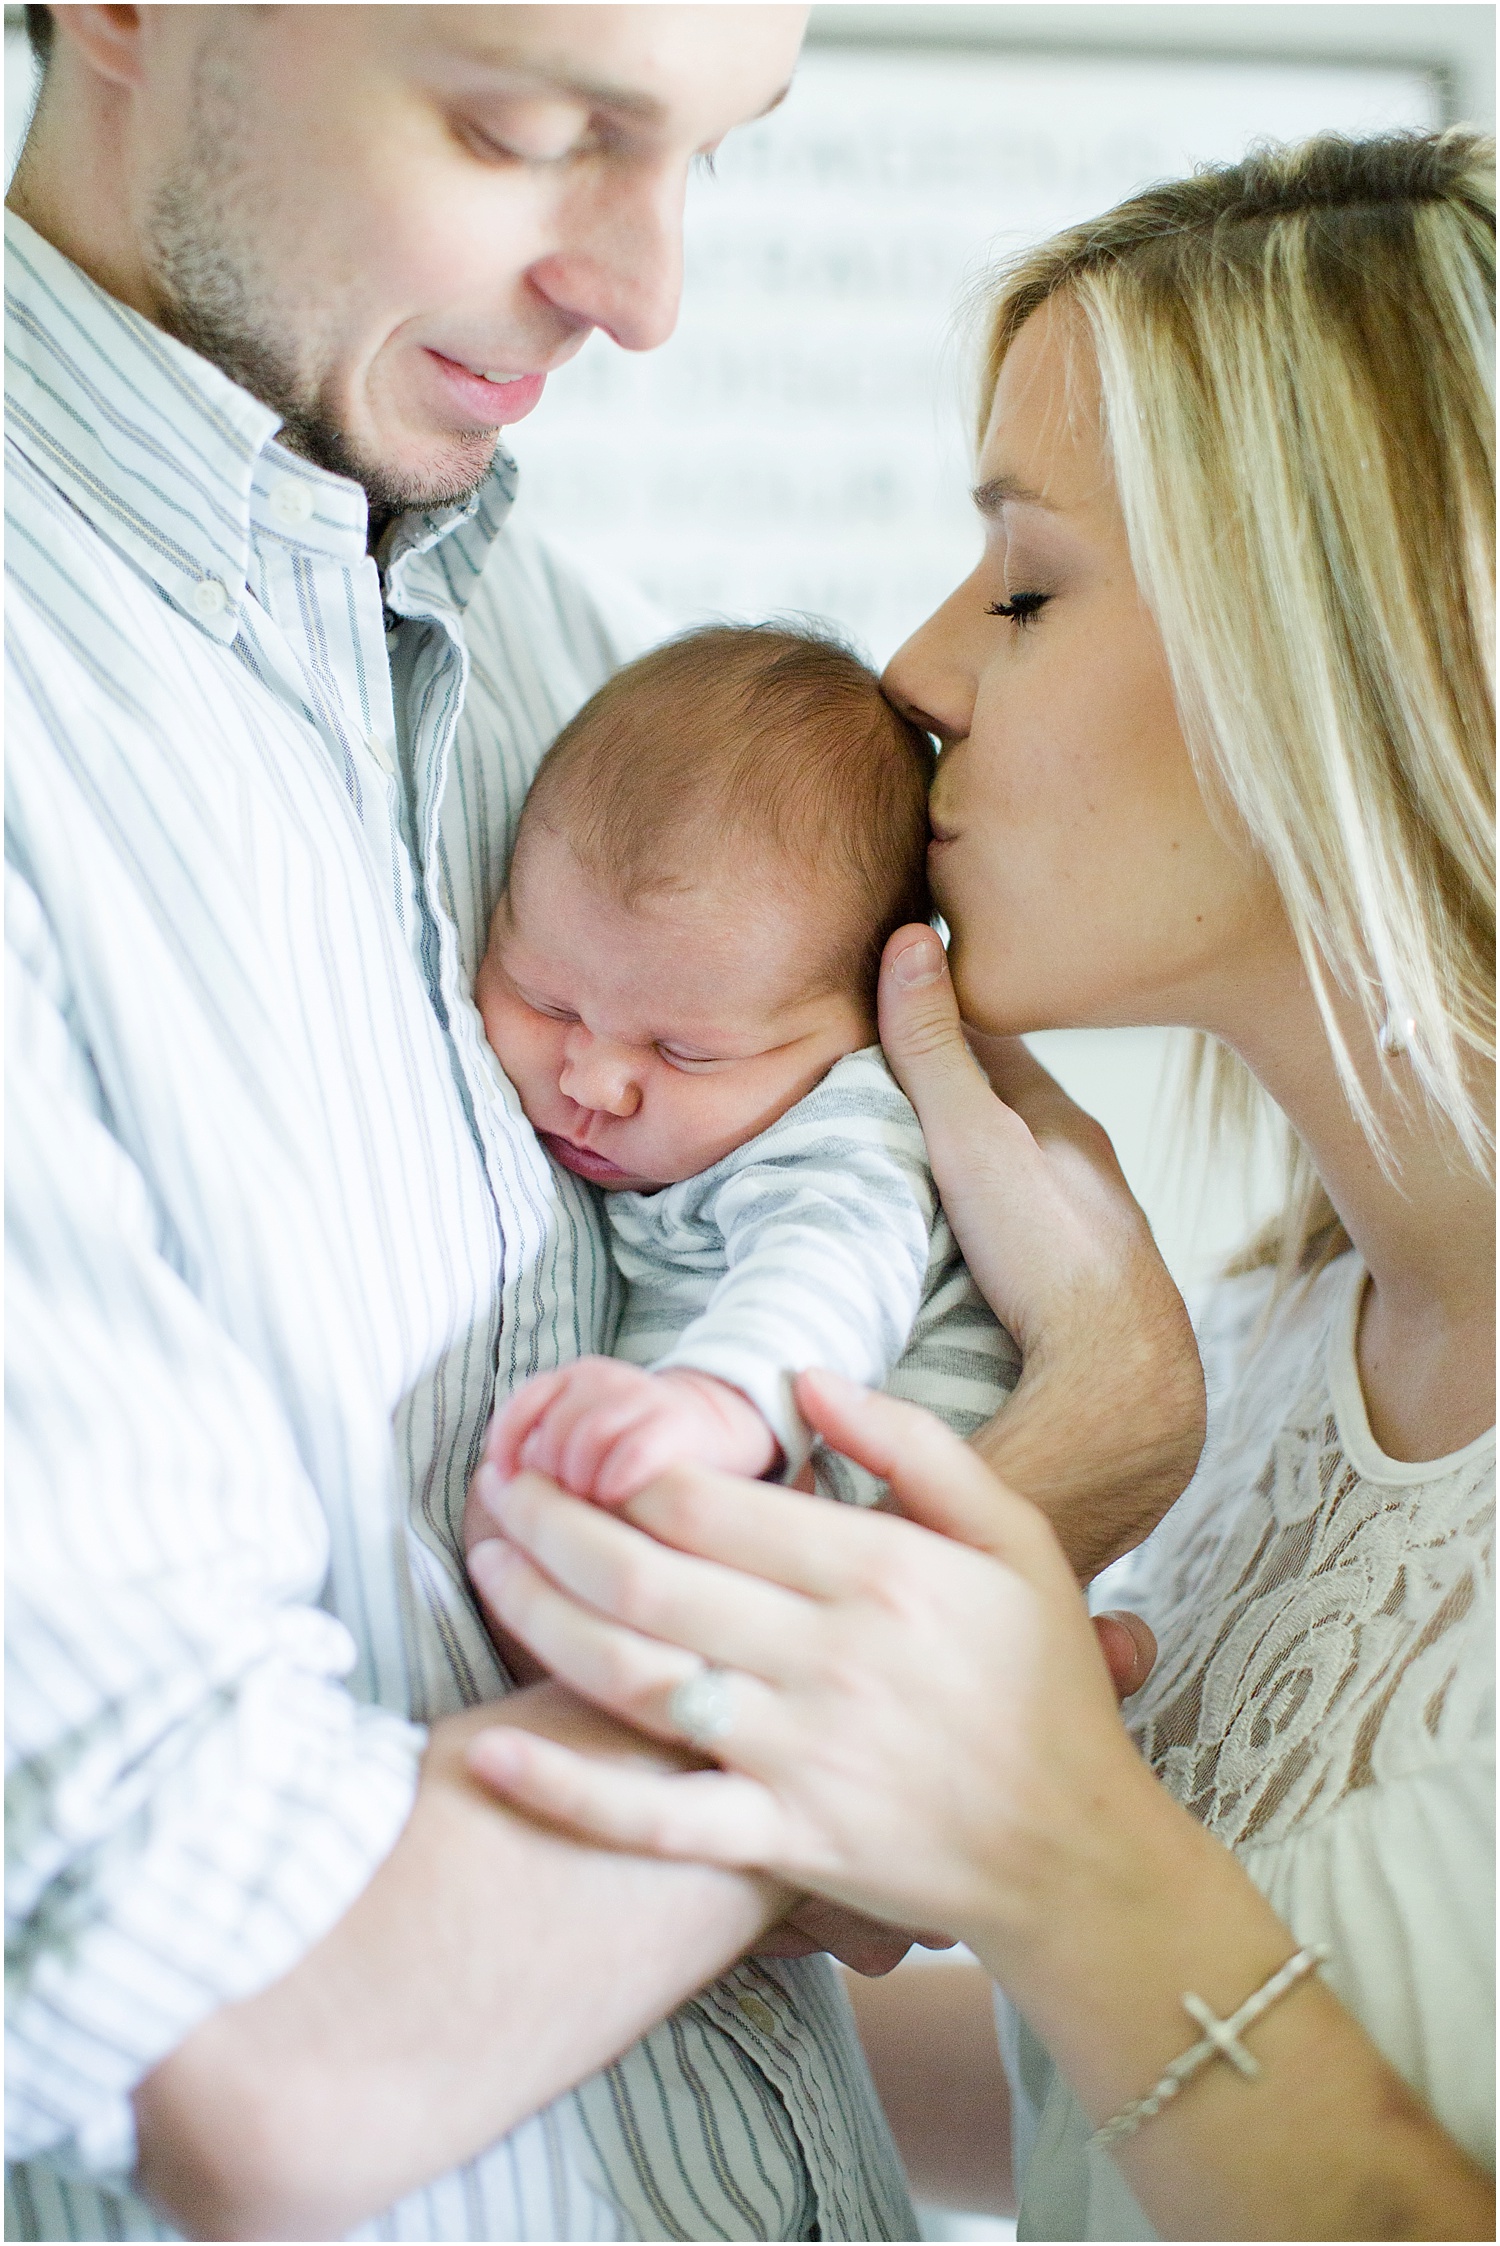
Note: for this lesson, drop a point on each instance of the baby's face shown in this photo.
(648, 1042)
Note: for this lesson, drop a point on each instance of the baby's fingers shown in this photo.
(637, 1456)
(710, 1816)
(592, 1438)
(517, 1416)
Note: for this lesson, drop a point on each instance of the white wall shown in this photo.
(1454, 44)
(802, 440)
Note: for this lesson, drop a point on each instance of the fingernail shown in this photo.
(488, 1562)
(826, 1377)
(490, 1484)
(920, 961)
(493, 1754)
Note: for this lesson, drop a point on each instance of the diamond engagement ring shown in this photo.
(700, 1707)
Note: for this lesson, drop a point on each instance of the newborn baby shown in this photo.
(680, 985)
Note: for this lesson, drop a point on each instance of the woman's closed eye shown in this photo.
(1021, 609)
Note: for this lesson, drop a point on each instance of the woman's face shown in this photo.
(1073, 856)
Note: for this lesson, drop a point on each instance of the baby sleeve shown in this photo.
(826, 1226)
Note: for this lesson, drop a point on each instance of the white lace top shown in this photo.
(1324, 1702)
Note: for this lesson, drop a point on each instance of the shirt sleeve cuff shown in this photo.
(272, 1822)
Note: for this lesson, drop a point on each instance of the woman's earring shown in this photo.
(1396, 1034)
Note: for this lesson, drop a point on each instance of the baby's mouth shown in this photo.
(581, 1160)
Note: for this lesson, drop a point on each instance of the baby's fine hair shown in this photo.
(764, 749)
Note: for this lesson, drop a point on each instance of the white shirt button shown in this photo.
(210, 598)
(291, 501)
(384, 753)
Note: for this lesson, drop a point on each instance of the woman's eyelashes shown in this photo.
(1021, 609)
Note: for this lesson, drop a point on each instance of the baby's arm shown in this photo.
(604, 1429)
(826, 1226)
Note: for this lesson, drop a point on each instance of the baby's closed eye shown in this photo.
(678, 1056)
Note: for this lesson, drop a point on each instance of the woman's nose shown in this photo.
(933, 678)
(597, 1072)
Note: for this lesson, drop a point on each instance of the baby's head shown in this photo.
(708, 865)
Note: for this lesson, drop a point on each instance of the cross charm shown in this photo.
(1220, 2040)
(1224, 2034)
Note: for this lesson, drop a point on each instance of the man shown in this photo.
(279, 678)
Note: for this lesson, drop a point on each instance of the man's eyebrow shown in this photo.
(601, 91)
(560, 80)
(990, 497)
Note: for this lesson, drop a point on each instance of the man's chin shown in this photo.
(439, 476)
(421, 474)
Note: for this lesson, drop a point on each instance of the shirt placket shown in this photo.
(430, 665)
(313, 629)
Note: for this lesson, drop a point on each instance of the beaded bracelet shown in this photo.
(1220, 2040)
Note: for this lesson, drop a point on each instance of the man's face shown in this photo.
(392, 223)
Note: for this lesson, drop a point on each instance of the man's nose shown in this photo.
(618, 262)
(599, 1073)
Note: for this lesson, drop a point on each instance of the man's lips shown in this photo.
(489, 405)
(581, 1159)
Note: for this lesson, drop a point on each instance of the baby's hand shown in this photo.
(604, 1429)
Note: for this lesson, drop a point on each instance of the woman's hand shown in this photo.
(1105, 1427)
(926, 1732)
(918, 1725)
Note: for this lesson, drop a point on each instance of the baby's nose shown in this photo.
(599, 1073)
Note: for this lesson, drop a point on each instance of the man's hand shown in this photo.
(488, 1966)
(604, 1429)
(866, 1945)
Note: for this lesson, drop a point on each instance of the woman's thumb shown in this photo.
(923, 1037)
(918, 1011)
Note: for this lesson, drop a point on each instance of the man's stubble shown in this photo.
(218, 293)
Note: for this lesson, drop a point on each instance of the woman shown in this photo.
(1217, 724)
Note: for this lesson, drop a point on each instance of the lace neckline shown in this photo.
(1324, 1613)
(1361, 1449)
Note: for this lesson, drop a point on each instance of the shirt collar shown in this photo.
(177, 467)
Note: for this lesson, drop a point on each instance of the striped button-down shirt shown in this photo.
(277, 1227)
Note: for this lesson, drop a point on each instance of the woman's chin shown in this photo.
(997, 1002)
(984, 1000)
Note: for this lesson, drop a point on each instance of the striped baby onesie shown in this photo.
(820, 1242)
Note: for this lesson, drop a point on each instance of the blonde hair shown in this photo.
(1296, 356)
